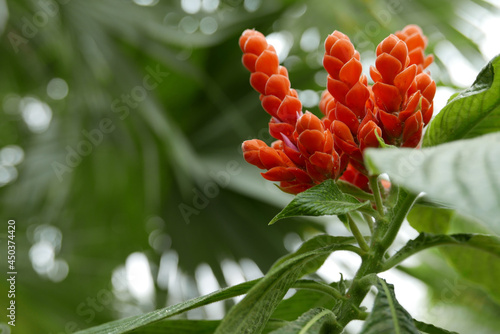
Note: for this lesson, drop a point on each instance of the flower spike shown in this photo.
(310, 150)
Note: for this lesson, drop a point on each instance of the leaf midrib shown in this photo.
(391, 307)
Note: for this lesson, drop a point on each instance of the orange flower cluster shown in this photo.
(309, 150)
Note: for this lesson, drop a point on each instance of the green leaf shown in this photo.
(487, 243)
(317, 242)
(302, 301)
(430, 329)
(315, 321)
(478, 266)
(429, 219)
(179, 327)
(321, 200)
(351, 189)
(251, 314)
(388, 316)
(480, 262)
(193, 327)
(474, 112)
(135, 322)
(463, 174)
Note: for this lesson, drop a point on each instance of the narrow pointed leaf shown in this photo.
(314, 321)
(463, 174)
(193, 327)
(388, 316)
(325, 199)
(251, 314)
(128, 324)
(319, 241)
(474, 112)
(486, 243)
(179, 327)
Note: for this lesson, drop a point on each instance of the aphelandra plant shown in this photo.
(334, 164)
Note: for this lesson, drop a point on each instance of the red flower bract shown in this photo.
(309, 150)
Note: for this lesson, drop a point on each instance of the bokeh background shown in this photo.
(120, 131)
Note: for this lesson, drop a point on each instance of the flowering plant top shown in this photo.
(309, 150)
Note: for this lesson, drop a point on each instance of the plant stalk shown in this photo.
(357, 234)
(374, 185)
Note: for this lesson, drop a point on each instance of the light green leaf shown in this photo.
(131, 323)
(315, 321)
(322, 200)
(478, 263)
(463, 174)
(388, 316)
(430, 329)
(477, 266)
(251, 314)
(487, 243)
(474, 112)
(429, 219)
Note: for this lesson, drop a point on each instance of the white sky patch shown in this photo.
(310, 40)
(282, 42)
(309, 98)
(36, 114)
(210, 5)
(233, 274)
(207, 283)
(191, 6)
(490, 45)
(443, 93)
(251, 5)
(57, 89)
(11, 155)
(139, 279)
(250, 269)
(462, 73)
(146, 2)
(339, 262)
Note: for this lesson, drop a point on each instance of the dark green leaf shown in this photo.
(463, 174)
(474, 112)
(325, 199)
(388, 316)
(179, 327)
(252, 313)
(315, 321)
(193, 327)
(128, 324)
(351, 189)
(430, 329)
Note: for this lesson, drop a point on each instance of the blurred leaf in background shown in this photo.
(120, 132)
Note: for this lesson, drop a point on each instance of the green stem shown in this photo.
(369, 221)
(357, 234)
(376, 193)
(318, 286)
(398, 219)
(363, 280)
